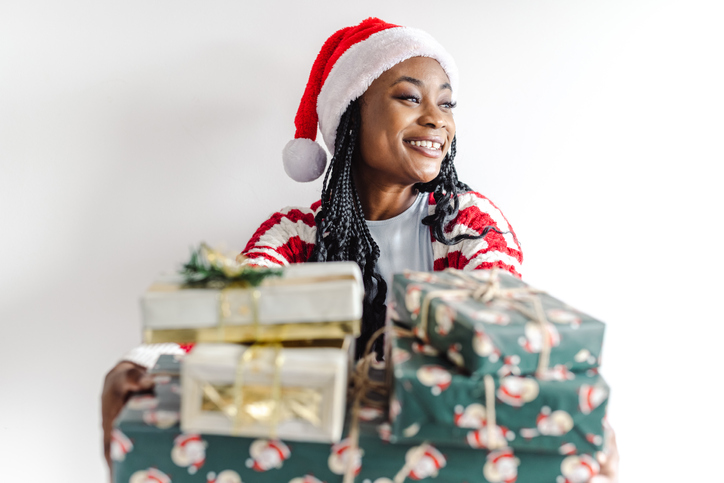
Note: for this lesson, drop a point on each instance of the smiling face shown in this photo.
(407, 124)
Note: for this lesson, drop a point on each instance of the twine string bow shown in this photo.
(468, 286)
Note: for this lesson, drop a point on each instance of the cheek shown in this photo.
(451, 127)
(451, 134)
(377, 138)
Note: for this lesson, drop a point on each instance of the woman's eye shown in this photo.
(409, 98)
(448, 105)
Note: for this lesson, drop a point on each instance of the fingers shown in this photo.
(608, 459)
(136, 381)
(107, 454)
(120, 383)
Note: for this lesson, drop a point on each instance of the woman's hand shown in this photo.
(608, 460)
(123, 380)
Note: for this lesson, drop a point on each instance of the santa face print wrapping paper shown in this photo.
(433, 401)
(494, 337)
(149, 447)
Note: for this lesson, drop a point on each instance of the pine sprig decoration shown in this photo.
(209, 268)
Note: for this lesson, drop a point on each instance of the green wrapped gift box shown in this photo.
(503, 335)
(149, 447)
(433, 401)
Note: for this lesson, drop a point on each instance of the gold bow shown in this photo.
(246, 403)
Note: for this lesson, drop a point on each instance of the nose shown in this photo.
(432, 116)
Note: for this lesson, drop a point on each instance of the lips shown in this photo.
(429, 146)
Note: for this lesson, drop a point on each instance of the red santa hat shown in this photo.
(429, 464)
(590, 397)
(350, 60)
(120, 445)
(278, 448)
(578, 469)
(182, 441)
(341, 455)
(157, 476)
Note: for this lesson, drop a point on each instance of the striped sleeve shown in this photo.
(287, 237)
(146, 355)
(500, 250)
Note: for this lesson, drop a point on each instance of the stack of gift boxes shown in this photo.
(469, 398)
(490, 363)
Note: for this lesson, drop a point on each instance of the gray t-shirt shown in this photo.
(404, 241)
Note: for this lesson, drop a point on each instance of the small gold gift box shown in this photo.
(295, 391)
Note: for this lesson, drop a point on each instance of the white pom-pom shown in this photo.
(304, 160)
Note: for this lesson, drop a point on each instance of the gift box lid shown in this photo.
(262, 390)
(491, 322)
(308, 292)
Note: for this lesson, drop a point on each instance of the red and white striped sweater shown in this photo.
(289, 235)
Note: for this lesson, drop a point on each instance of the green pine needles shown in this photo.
(209, 268)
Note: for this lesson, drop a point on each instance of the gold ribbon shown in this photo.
(470, 287)
(273, 406)
(256, 331)
(414, 459)
(494, 442)
(262, 332)
(243, 402)
(225, 311)
(275, 403)
(296, 402)
(231, 267)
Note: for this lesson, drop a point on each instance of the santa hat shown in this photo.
(120, 445)
(567, 448)
(590, 397)
(156, 476)
(435, 461)
(182, 441)
(350, 60)
(342, 455)
(278, 447)
(497, 460)
(472, 416)
(578, 468)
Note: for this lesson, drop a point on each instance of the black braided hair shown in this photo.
(445, 189)
(342, 233)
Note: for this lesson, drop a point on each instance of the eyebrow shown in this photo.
(418, 82)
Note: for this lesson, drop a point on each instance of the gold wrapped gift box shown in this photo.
(292, 393)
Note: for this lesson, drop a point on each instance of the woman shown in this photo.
(383, 97)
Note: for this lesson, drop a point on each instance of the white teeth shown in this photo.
(426, 144)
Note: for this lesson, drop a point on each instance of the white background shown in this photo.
(132, 130)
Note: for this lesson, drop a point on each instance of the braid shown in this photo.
(342, 233)
(445, 189)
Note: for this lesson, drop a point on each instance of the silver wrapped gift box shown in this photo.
(308, 301)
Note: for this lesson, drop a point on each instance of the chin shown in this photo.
(428, 176)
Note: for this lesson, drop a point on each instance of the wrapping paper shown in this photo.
(433, 401)
(309, 301)
(149, 447)
(294, 393)
(493, 337)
